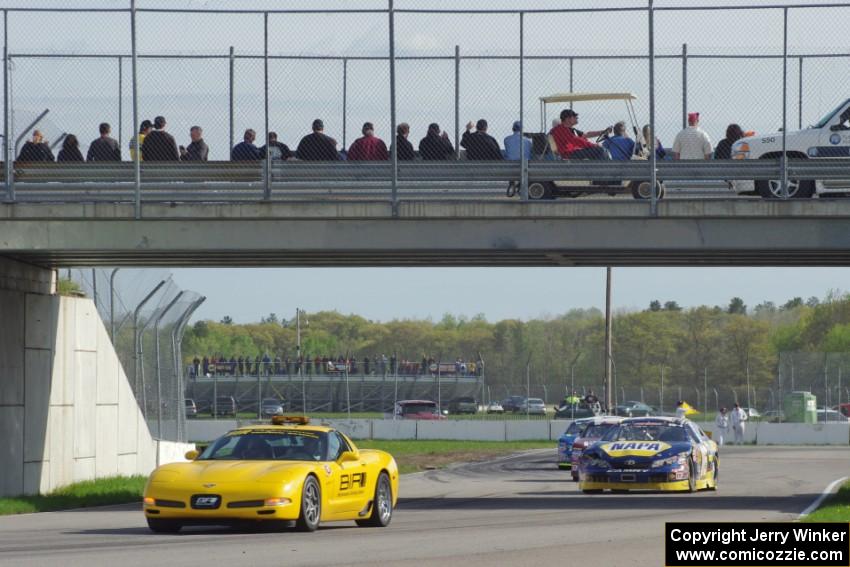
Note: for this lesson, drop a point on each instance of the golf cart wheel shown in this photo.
(641, 190)
(540, 190)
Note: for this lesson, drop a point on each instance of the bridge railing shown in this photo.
(371, 180)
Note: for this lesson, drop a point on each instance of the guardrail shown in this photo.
(247, 181)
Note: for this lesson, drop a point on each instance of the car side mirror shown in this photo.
(348, 457)
(191, 455)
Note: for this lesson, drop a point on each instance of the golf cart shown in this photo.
(544, 148)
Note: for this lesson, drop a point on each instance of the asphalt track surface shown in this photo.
(519, 510)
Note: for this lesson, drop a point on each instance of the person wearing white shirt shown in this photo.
(692, 142)
(681, 411)
(739, 418)
(721, 426)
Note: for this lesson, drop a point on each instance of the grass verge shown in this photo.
(101, 492)
(419, 455)
(836, 508)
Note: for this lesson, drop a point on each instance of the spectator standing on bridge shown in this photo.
(479, 144)
(721, 426)
(436, 145)
(515, 141)
(70, 151)
(692, 142)
(369, 147)
(246, 150)
(317, 146)
(724, 146)
(279, 150)
(105, 148)
(36, 150)
(197, 150)
(159, 145)
(620, 146)
(572, 143)
(405, 148)
(739, 420)
(136, 141)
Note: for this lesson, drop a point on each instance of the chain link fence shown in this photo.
(243, 72)
(145, 313)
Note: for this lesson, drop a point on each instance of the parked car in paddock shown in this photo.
(593, 432)
(191, 407)
(532, 406)
(634, 409)
(512, 403)
(650, 453)
(566, 440)
(417, 409)
(271, 406)
(223, 405)
(463, 405)
(495, 407)
(287, 470)
(831, 416)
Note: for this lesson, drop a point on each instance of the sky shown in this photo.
(384, 294)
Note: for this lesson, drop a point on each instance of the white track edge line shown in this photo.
(827, 492)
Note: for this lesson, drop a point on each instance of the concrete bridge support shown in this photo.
(67, 412)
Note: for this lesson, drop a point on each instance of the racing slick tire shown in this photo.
(692, 479)
(796, 189)
(382, 505)
(311, 506)
(619, 491)
(160, 526)
(540, 190)
(592, 490)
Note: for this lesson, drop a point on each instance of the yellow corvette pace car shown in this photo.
(286, 471)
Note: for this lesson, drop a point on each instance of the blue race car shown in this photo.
(650, 453)
(565, 441)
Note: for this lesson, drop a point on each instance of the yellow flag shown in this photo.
(689, 410)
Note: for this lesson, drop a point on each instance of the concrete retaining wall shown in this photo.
(755, 433)
(67, 412)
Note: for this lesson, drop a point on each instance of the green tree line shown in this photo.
(726, 342)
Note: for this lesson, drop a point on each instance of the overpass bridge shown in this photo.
(438, 214)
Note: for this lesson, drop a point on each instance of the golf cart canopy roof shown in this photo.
(576, 97)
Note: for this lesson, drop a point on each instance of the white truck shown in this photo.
(829, 138)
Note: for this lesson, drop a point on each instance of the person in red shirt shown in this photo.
(369, 147)
(572, 143)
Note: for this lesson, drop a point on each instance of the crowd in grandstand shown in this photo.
(267, 365)
(154, 144)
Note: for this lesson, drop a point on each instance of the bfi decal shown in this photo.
(353, 480)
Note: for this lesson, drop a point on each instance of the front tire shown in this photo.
(692, 479)
(592, 491)
(311, 506)
(382, 505)
(715, 477)
(160, 526)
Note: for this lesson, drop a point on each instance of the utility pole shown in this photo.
(608, 359)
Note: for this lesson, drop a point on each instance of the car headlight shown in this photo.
(680, 459)
(741, 151)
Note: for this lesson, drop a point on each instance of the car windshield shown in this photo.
(647, 432)
(825, 120)
(595, 430)
(574, 428)
(535, 402)
(419, 408)
(268, 446)
(271, 403)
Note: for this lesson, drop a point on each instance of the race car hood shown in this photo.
(654, 449)
(231, 471)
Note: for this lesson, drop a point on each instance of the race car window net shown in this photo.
(269, 446)
(653, 432)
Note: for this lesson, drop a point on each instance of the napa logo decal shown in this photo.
(637, 448)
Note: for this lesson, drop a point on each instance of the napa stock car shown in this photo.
(565, 442)
(285, 471)
(595, 429)
(650, 453)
